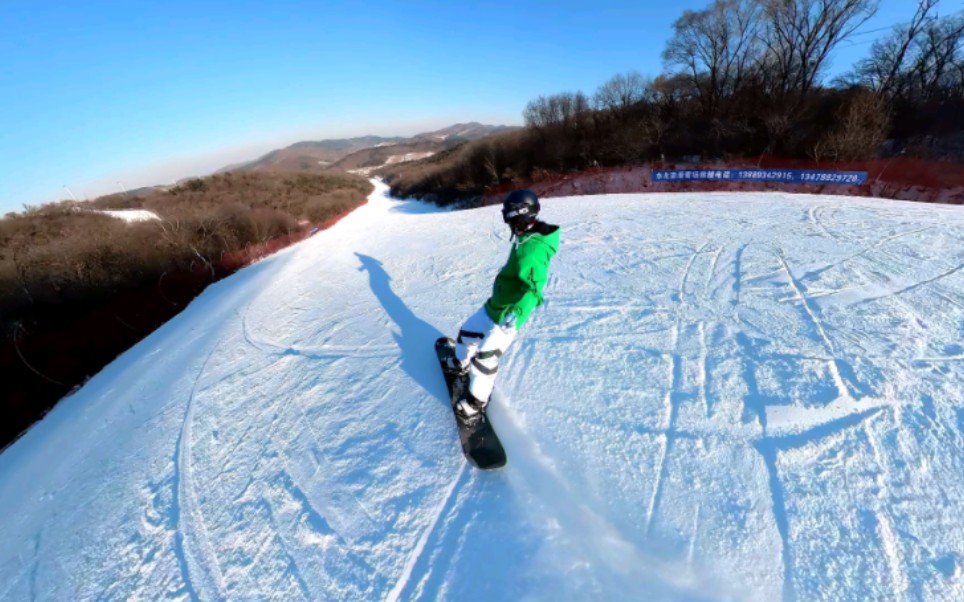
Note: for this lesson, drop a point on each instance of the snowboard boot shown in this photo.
(470, 410)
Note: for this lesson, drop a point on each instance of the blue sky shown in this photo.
(94, 95)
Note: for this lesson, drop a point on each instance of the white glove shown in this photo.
(508, 322)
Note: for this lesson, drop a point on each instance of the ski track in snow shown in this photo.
(725, 397)
(193, 543)
(400, 586)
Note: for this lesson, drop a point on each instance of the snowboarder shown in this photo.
(517, 290)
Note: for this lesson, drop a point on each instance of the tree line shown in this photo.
(741, 78)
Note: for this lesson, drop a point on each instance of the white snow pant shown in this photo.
(480, 345)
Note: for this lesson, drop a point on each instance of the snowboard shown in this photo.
(480, 444)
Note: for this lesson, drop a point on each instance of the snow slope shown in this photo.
(131, 215)
(726, 396)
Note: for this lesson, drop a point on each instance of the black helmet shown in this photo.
(519, 209)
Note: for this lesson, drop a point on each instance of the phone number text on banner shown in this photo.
(797, 176)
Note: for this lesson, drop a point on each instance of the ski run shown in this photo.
(726, 396)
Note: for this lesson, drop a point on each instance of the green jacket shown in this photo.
(518, 287)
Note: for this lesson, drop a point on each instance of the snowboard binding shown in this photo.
(469, 410)
(453, 366)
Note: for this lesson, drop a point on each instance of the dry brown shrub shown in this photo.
(64, 253)
(272, 223)
(861, 129)
(323, 207)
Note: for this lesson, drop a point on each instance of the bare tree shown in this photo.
(716, 48)
(559, 109)
(800, 34)
(671, 90)
(883, 70)
(621, 92)
(940, 57)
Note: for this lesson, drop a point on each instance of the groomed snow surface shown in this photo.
(725, 397)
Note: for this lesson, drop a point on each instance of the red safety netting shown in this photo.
(898, 178)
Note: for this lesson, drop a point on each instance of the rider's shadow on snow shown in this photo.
(415, 337)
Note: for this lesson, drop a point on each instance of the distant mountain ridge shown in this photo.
(365, 152)
(466, 131)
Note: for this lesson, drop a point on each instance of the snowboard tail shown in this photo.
(480, 444)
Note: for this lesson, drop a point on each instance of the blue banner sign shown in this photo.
(795, 176)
